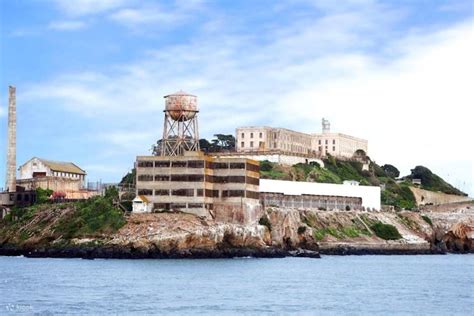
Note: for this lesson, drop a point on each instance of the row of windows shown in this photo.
(326, 142)
(201, 192)
(66, 174)
(177, 206)
(260, 135)
(326, 148)
(191, 164)
(175, 164)
(199, 178)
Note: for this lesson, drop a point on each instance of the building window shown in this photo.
(333, 148)
(242, 144)
(319, 142)
(195, 164)
(320, 148)
(162, 164)
(145, 177)
(251, 143)
(243, 135)
(162, 192)
(260, 135)
(237, 165)
(145, 164)
(251, 135)
(326, 141)
(183, 192)
(274, 145)
(326, 148)
(334, 142)
(179, 164)
(145, 192)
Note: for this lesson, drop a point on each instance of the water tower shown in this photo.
(180, 132)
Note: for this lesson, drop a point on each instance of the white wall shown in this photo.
(370, 194)
(33, 165)
(141, 207)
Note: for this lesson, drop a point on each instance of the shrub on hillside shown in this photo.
(42, 195)
(385, 231)
(265, 222)
(431, 181)
(90, 217)
(427, 219)
(266, 165)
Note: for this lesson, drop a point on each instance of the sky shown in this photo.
(91, 76)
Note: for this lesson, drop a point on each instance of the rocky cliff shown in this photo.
(281, 232)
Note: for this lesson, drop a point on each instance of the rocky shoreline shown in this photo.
(280, 233)
(270, 252)
(130, 253)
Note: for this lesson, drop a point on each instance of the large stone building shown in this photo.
(268, 139)
(225, 189)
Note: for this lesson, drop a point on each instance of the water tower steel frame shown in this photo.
(180, 131)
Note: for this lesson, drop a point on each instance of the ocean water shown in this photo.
(355, 285)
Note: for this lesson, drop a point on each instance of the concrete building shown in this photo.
(58, 176)
(337, 196)
(199, 184)
(264, 139)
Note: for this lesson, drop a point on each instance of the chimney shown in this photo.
(11, 155)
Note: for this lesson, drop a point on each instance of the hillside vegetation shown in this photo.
(88, 218)
(432, 182)
(396, 194)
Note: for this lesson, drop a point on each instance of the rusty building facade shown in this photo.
(226, 189)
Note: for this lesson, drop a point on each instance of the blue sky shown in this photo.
(91, 75)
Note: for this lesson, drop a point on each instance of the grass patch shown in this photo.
(408, 222)
(386, 231)
(319, 234)
(427, 219)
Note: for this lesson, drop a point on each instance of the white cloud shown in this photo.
(166, 16)
(67, 25)
(144, 16)
(88, 7)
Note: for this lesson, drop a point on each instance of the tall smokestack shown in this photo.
(11, 155)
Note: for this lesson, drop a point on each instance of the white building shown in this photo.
(141, 205)
(38, 167)
(370, 195)
(58, 176)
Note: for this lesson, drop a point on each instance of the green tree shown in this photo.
(391, 171)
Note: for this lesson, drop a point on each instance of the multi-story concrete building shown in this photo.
(200, 184)
(268, 139)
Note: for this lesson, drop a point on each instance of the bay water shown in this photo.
(354, 285)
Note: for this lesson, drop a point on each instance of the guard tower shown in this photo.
(180, 132)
